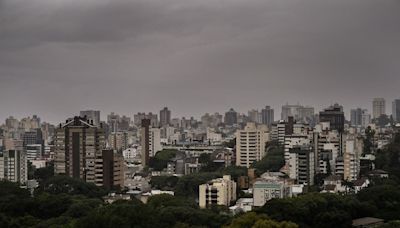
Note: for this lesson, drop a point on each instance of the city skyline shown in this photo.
(59, 57)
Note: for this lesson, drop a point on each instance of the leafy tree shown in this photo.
(188, 185)
(45, 173)
(63, 184)
(161, 159)
(164, 182)
(273, 161)
(253, 220)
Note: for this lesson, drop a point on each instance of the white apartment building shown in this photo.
(292, 141)
(154, 141)
(265, 190)
(250, 144)
(14, 166)
(221, 191)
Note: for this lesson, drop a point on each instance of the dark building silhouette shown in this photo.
(335, 116)
(231, 117)
(267, 115)
(165, 117)
(145, 141)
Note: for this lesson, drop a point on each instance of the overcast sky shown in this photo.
(195, 56)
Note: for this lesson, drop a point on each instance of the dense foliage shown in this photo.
(273, 161)
(161, 159)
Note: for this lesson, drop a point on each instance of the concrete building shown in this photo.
(298, 112)
(301, 164)
(231, 117)
(250, 144)
(154, 141)
(145, 141)
(33, 151)
(278, 132)
(109, 170)
(292, 141)
(267, 115)
(165, 117)
(221, 191)
(365, 119)
(335, 116)
(137, 119)
(255, 116)
(92, 116)
(265, 190)
(396, 110)
(118, 141)
(356, 117)
(78, 144)
(378, 107)
(14, 166)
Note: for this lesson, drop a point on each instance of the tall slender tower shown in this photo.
(145, 141)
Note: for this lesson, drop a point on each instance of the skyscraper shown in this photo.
(356, 117)
(250, 144)
(91, 115)
(231, 117)
(165, 117)
(378, 107)
(145, 141)
(78, 144)
(267, 115)
(335, 116)
(396, 110)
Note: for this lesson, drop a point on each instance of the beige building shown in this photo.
(221, 191)
(77, 146)
(378, 107)
(109, 170)
(250, 144)
(118, 140)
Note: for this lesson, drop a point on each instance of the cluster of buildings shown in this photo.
(113, 153)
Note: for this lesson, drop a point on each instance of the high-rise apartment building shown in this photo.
(14, 166)
(92, 115)
(267, 115)
(335, 116)
(110, 170)
(255, 116)
(165, 117)
(378, 107)
(145, 141)
(154, 141)
(396, 110)
(298, 112)
(356, 116)
(118, 140)
(221, 191)
(231, 117)
(301, 164)
(78, 144)
(250, 144)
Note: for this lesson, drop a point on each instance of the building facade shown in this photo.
(221, 191)
(250, 144)
(78, 144)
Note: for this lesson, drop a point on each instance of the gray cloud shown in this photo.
(59, 56)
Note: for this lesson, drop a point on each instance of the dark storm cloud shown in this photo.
(59, 56)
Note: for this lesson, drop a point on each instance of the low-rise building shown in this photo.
(221, 191)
